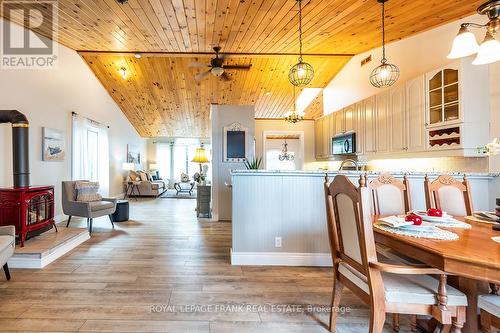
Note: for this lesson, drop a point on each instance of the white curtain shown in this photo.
(90, 151)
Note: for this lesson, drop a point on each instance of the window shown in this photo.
(173, 159)
(90, 158)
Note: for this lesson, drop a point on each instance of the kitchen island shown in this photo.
(279, 217)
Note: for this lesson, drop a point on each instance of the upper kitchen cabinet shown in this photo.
(368, 119)
(350, 118)
(415, 114)
(382, 114)
(397, 120)
(339, 122)
(318, 137)
(457, 108)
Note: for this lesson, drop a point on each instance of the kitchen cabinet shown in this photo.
(457, 108)
(349, 118)
(415, 114)
(398, 119)
(318, 137)
(369, 128)
(382, 131)
(360, 135)
(326, 136)
(339, 122)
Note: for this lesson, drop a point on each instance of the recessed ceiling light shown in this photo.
(123, 72)
(267, 93)
(138, 55)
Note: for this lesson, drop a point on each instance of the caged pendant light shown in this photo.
(301, 73)
(386, 74)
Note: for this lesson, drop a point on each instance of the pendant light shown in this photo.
(386, 74)
(285, 155)
(293, 116)
(465, 43)
(301, 73)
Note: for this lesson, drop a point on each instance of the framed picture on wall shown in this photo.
(133, 154)
(53, 145)
(234, 143)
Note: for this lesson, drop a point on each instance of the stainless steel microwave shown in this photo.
(344, 144)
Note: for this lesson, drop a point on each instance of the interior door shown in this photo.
(398, 119)
(415, 113)
(382, 122)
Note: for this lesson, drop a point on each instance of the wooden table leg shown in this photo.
(471, 288)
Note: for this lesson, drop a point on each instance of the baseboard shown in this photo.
(280, 259)
(60, 218)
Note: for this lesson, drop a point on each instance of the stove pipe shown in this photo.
(20, 145)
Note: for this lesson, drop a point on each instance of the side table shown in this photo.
(132, 189)
(121, 213)
(203, 198)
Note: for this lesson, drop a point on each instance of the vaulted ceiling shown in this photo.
(160, 97)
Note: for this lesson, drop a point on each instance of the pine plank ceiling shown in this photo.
(160, 98)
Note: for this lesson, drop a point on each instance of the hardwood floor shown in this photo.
(164, 271)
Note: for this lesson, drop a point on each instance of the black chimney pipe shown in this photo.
(20, 145)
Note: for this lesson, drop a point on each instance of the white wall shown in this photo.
(306, 126)
(221, 116)
(414, 55)
(47, 98)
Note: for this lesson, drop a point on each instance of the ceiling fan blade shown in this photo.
(225, 77)
(238, 67)
(198, 65)
(201, 76)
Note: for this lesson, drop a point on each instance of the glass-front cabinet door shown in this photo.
(443, 96)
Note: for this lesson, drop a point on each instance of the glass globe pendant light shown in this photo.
(386, 74)
(301, 73)
(465, 43)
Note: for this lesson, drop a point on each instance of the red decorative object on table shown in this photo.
(30, 209)
(417, 220)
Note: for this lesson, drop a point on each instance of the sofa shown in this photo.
(7, 246)
(146, 185)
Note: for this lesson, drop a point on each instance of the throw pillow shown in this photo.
(142, 176)
(87, 191)
(133, 175)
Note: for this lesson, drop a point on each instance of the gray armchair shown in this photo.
(90, 210)
(7, 246)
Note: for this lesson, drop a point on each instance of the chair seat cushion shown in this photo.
(409, 289)
(490, 304)
(100, 205)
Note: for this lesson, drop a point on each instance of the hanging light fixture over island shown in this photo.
(301, 73)
(386, 74)
(465, 43)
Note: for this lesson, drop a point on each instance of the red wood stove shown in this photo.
(30, 209)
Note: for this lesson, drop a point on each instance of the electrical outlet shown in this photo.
(277, 242)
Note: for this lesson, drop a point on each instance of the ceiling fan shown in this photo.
(217, 67)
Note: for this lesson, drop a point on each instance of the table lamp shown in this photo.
(128, 166)
(200, 157)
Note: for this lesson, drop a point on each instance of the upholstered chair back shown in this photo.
(391, 196)
(449, 194)
(350, 230)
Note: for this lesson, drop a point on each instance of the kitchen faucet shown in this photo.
(351, 161)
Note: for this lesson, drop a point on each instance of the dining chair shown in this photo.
(449, 194)
(387, 288)
(390, 196)
(489, 307)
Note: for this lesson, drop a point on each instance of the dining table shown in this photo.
(472, 261)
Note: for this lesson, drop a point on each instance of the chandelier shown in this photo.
(465, 43)
(386, 74)
(294, 116)
(285, 155)
(301, 73)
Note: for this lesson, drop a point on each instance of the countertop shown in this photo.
(321, 173)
